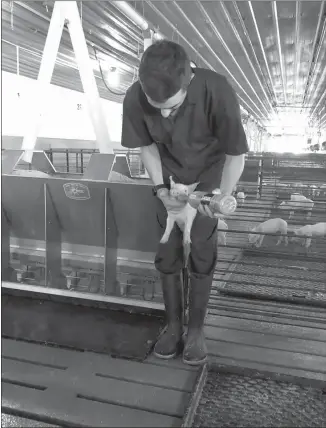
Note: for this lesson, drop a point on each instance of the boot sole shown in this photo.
(178, 351)
(195, 363)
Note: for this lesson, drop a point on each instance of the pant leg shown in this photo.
(203, 254)
(169, 257)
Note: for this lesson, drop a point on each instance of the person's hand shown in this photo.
(204, 210)
(170, 203)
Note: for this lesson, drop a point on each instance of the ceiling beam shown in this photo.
(204, 60)
(316, 49)
(279, 48)
(262, 47)
(297, 46)
(237, 35)
(202, 38)
(219, 36)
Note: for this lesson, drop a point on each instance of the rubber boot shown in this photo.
(195, 351)
(170, 343)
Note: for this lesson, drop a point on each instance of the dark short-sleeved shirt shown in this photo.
(193, 144)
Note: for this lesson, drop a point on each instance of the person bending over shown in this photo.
(187, 125)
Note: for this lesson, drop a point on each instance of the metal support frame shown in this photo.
(66, 11)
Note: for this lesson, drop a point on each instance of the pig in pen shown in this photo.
(276, 247)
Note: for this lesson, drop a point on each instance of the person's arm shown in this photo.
(230, 132)
(152, 161)
(232, 170)
(135, 135)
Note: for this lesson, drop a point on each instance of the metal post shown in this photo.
(51, 47)
(87, 76)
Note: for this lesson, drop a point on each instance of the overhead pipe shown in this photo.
(246, 34)
(237, 35)
(212, 51)
(176, 31)
(218, 34)
(261, 46)
(26, 6)
(279, 48)
(134, 16)
(321, 82)
(316, 49)
(297, 47)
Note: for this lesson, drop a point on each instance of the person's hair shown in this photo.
(164, 70)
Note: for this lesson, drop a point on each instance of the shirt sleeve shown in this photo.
(228, 125)
(134, 131)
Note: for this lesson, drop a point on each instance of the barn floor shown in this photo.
(61, 387)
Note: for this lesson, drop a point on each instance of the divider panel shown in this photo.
(99, 167)
(9, 159)
(53, 235)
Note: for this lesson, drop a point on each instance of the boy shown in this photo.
(187, 124)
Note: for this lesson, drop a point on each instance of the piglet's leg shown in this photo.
(168, 229)
(308, 241)
(190, 215)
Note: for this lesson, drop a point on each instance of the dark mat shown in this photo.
(275, 278)
(230, 400)
(107, 331)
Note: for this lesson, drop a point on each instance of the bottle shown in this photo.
(217, 203)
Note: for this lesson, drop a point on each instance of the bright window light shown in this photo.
(112, 77)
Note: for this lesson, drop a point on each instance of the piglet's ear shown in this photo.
(192, 187)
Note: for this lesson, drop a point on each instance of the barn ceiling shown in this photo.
(273, 53)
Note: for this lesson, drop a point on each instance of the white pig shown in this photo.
(270, 226)
(221, 233)
(297, 197)
(302, 205)
(184, 218)
(240, 198)
(309, 231)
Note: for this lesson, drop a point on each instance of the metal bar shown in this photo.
(237, 35)
(53, 262)
(110, 247)
(320, 99)
(7, 272)
(123, 301)
(219, 36)
(316, 48)
(176, 31)
(67, 159)
(26, 6)
(87, 76)
(279, 47)
(245, 32)
(195, 29)
(261, 46)
(51, 48)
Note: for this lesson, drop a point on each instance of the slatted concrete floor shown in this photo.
(271, 337)
(68, 388)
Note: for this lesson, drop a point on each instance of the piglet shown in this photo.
(309, 231)
(270, 226)
(302, 205)
(297, 197)
(221, 233)
(241, 198)
(184, 218)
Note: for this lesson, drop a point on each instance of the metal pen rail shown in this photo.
(293, 273)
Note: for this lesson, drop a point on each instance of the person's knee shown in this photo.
(204, 246)
(169, 257)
